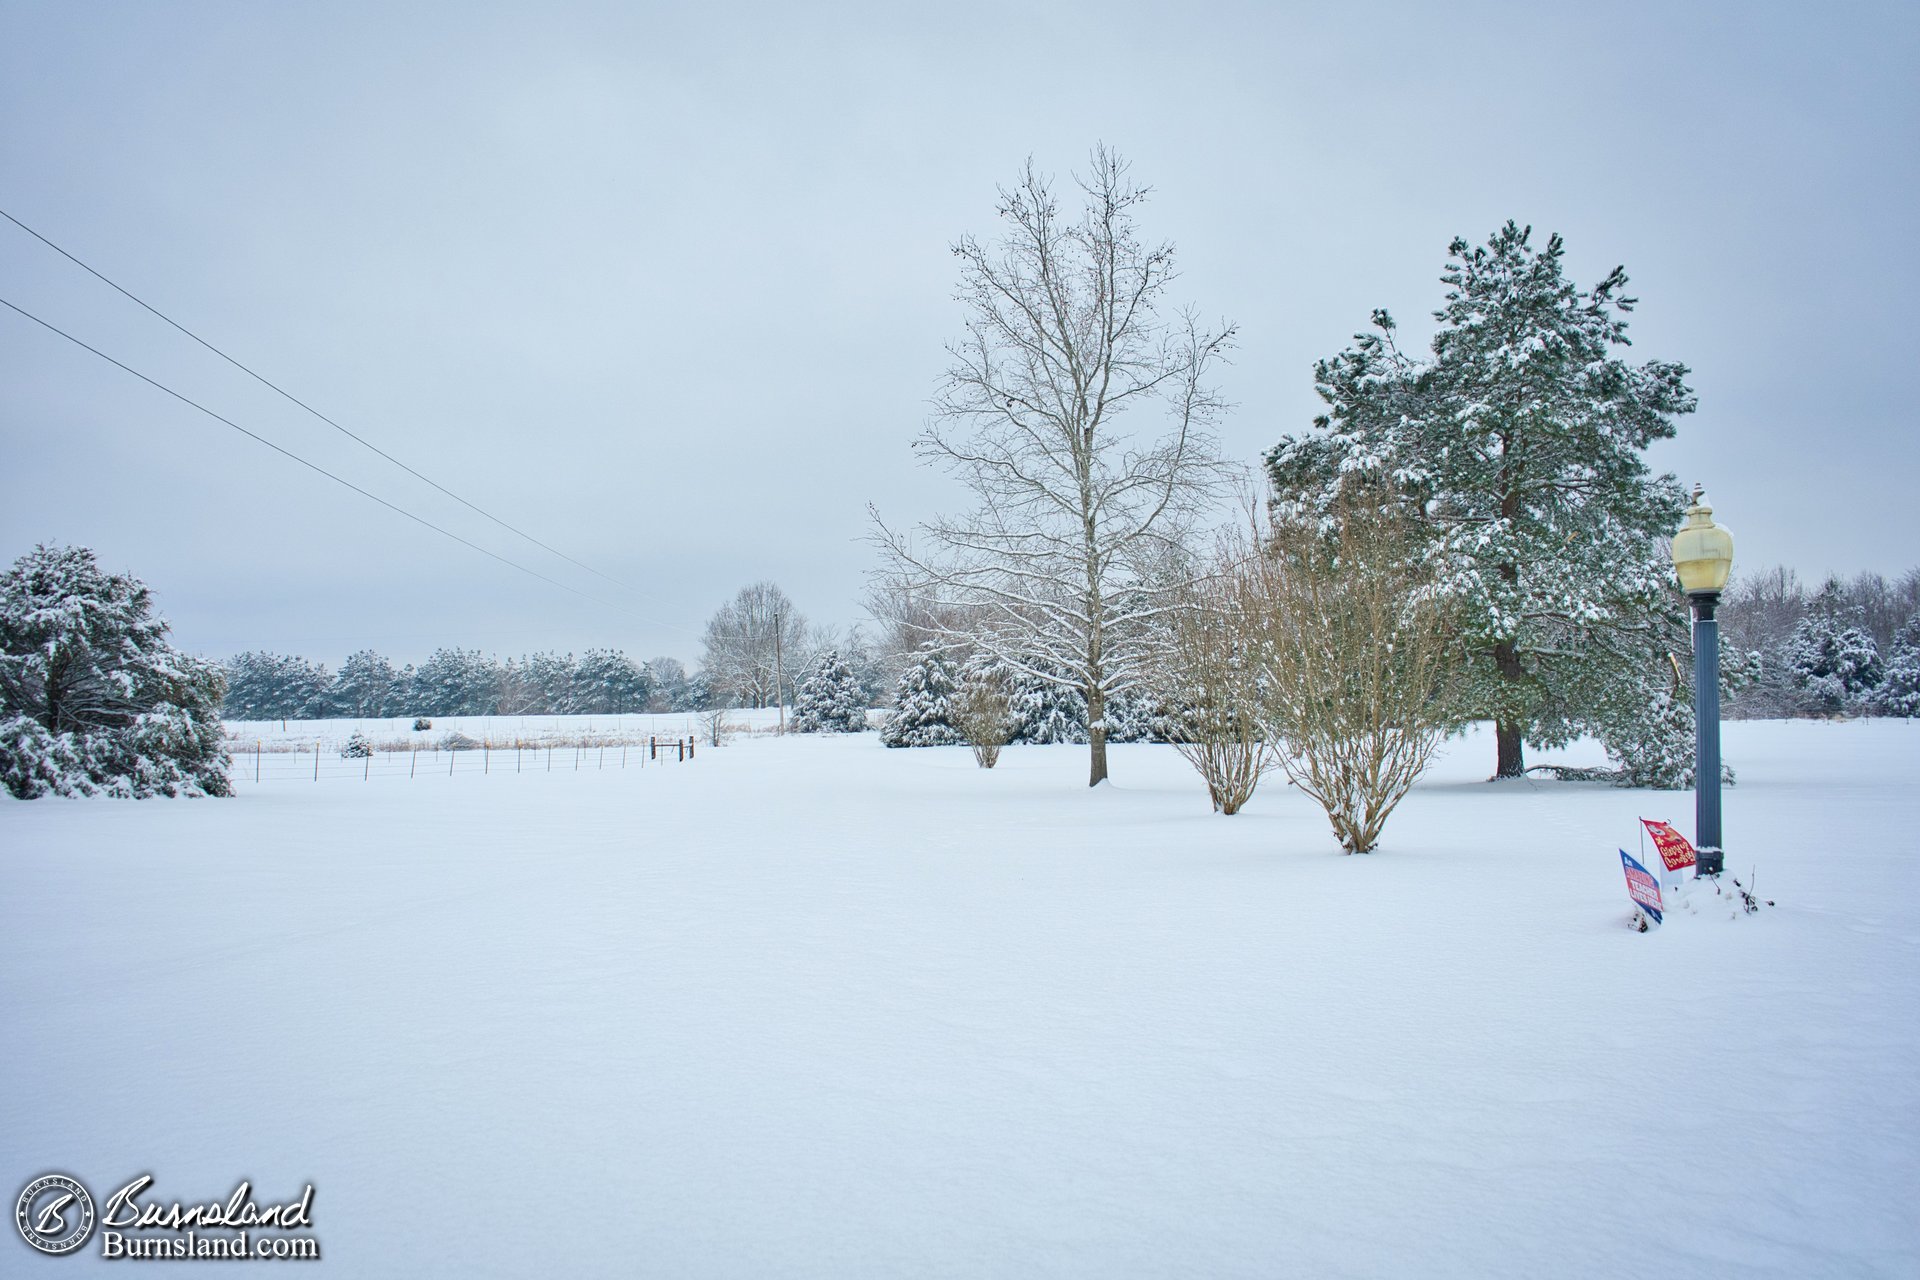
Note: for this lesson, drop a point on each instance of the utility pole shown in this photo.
(779, 674)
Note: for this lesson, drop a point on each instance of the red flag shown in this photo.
(1675, 852)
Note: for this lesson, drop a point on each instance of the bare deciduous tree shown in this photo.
(1054, 571)
(1354, 642)
(754, 645)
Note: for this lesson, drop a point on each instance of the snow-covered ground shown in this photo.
(810, 1007)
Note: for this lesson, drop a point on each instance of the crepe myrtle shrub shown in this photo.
(982, 710)
(1210, 685)
(1354, 641)
(93, 700)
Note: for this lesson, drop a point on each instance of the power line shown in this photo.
(309, 408)
(311, 466)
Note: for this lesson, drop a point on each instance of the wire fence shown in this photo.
(264, 764)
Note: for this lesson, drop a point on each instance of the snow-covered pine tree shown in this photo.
(830, 699)
(922, 716)
(1833, 657)
(1518, 443)
(274, 686)
(456, 682)
(93, 700)
(696, 693)
(1046, 712)
(1900, 688)
(365, 686)
(607, 682)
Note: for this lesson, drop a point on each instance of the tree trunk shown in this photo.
(1096, 737)
(1511, 759)
(1512, 751)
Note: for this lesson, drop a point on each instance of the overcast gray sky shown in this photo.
(667, 286)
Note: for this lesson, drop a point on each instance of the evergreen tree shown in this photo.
(365, 687)
(1900, 688)
(273, 686)
(1518, 445)
(922, 712)
(456, 682)
(696, 693)
(93, 700)
(1833, 656)
(607, 682)
(1046, 712)
(830, 699)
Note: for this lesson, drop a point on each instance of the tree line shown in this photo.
(1850, 647)
(757, 648)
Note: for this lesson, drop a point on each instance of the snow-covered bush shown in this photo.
(830, 699)
(93, 700)
(422, 724)
(981, 710)
(922, 711)
(358, 747)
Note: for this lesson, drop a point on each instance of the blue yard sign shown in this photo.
(1641, 886)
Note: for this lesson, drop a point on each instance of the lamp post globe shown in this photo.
(1703, 557)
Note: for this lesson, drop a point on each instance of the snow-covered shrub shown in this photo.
(358, 747)
(422, 724)
(93, 700)
(982, 712)
(830, 699)
(922, 712)
(457, 741)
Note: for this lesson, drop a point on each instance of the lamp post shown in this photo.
(1703, 555)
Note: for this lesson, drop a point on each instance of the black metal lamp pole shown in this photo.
(1706, 734)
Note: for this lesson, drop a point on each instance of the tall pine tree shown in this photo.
(1518, 444)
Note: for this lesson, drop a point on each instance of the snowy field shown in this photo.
(814, 1008)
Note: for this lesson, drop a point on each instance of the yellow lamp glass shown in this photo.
(1702, 550)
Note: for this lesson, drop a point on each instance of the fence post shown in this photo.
(486, 756)
(518, 748)
(690, 746)
(413, 763)
(602, 763)
(576, 757)
(366, 766)
(256, 760)
(453, 754)
(623, 755)
(549, 757)
(683, 748)
(316, 760)
(653, 748)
